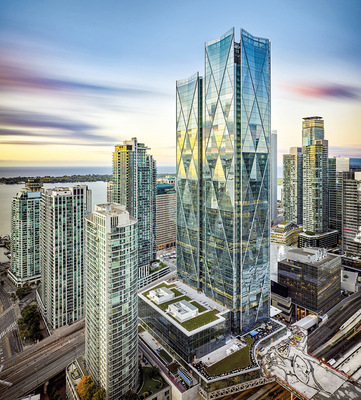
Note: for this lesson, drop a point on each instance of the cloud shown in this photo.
(13, 76)
(345, 151)
(14, 117)
(330, 91)
(61, 128)
(51, 143)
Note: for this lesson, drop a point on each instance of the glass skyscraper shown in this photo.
(62, 213)
(223, 177)
(312, 129)
(293, 186)
(135, 186)
(273, 157)
(25, 234)
(111, 278)
(315, 176)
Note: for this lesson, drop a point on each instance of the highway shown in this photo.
(36, 365)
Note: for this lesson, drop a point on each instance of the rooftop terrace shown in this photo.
(209, 312)
(238, 356)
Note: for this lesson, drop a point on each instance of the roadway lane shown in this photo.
(36, 365)
(9, 334)
(4, 298)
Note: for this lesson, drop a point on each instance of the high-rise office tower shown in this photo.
(312, 129)
(315, 187)
(223, 177)
(315, 176)
(336, 167)
(25, 246)
(166, 215)
(111, 344)
(62, 213)
(273, 158)
(292, 201)
(135, 186)
(351, 213)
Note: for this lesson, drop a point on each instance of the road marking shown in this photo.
(11, 327)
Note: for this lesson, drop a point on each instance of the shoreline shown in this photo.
(65, 178)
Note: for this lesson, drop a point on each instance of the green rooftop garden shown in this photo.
(199, 306)
(177, 292)
(193, 323)
(155, 269)
(201, 320)
(164, 306)
(166, 357)
(240, 359)
(152, 381)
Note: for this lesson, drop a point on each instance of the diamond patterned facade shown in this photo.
(232, 179)
(189, 140)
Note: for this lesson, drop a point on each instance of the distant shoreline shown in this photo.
(65, 178)
(59, 179)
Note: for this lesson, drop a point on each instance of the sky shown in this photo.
(78, 77)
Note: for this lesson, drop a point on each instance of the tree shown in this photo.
(29, 323)
(87, 389)
(130, 395)
(23, 291)
(99, 394)
(153, 372)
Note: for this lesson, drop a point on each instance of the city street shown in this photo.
(37, 364)
(4, 298)
(10, 342)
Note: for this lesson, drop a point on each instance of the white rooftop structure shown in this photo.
(183, 310)
(349, 281)
(308, 255)
(161, 295)
(307, 322)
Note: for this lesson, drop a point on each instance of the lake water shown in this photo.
(8, 172)
(99, 189)
(7, 192)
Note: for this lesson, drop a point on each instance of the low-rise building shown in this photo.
(190, 323)
(313, 279)
(323, 240)
(286, 233)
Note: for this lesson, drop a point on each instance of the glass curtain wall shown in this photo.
(189, 178)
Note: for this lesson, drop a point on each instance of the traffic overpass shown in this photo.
(35, 366)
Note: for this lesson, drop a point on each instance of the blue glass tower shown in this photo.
(223, 246)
